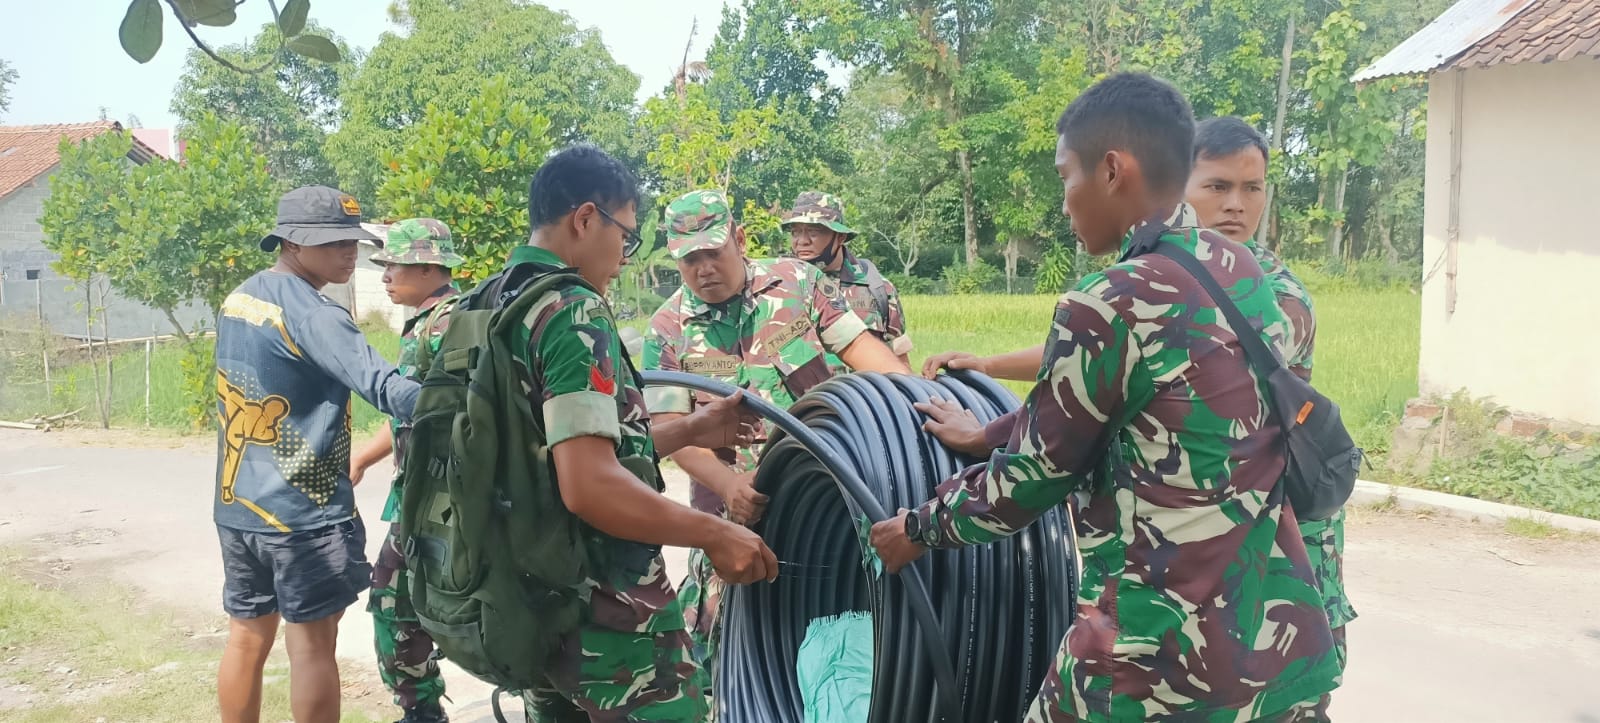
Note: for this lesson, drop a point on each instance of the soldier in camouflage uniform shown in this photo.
(1198, 601)
(417, 258)
(818, 234)
(763, 325)
(630, 658)
(1228, 188)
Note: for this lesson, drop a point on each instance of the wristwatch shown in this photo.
(914, 527)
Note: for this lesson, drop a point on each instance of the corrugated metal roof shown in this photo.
(1464, 24)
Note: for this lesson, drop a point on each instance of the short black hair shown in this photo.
(1140, 114)
(1225, 136)
(576, 175)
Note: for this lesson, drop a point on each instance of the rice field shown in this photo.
(1366, 354)
(1366, 358)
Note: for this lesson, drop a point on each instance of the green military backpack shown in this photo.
(499, 568)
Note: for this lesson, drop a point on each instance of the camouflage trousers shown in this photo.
(607, 676)
(406, 659)
(701, 595)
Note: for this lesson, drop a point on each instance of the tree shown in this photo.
(140, 32)
(764, 58)
(8, 76)
(288, 112)
(471, 171)
(1358, 123)
(163, 233)
(932, 45)
(449, 48)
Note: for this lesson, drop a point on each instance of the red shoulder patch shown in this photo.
(601, 383)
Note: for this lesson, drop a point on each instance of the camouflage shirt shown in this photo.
(770, 339)
(856, 283)
(571, 361)
(1324, 538)
(1300, 333)
(407, 366)
(1198, 599)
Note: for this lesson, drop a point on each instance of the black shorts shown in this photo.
(306, 576)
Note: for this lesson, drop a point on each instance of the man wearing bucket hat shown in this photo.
(293, 544)
(417, 259)
(764, 325)
(818, 234)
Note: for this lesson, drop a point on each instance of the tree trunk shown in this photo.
(1013, 250)
(176, 327)
(105, 351)
(1277, 125)
(1336, 247)
(1386, 237)
(969, 209)
(94, 359)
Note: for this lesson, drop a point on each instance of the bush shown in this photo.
(908, 284)
(1054, 270)
(962, 279)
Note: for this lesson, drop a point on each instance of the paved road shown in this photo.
(1459, 622)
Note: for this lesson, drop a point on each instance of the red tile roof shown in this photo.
(1546, 30)
(27, 152)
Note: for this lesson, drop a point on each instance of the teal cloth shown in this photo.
(869, 554)
(835, 668)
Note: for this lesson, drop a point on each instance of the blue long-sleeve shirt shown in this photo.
(287, 359)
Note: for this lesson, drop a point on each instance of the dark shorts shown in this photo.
(306, 576)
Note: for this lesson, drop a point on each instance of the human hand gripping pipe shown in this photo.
(964, 636)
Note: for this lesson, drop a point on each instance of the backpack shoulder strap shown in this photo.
(876, 285)
(1255, 350)
(424, 358)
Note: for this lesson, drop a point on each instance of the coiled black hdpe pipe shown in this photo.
(964, 636)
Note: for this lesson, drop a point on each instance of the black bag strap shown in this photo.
(1255, 350)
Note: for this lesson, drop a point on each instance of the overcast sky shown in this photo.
(70, 64)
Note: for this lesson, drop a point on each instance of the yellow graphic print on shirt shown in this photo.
(245, 421)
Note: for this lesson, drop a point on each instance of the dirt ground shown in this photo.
(1459, 621)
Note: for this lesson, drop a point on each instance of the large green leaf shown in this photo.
(315, 47)
(215, 13)
(141, 30)
(293, 18)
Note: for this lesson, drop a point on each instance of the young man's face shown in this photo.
(412, 284)
(1087, 201)
(325, 264)
(716, 275)
(1230, 193)
(598, 254)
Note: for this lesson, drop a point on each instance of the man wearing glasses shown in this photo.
(766, 326)
(817, 235)
(629, 658)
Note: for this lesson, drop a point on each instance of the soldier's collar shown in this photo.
(850, 271)
(1145, 234)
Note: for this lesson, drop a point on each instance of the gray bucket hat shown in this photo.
(317, 215)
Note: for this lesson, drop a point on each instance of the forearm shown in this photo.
(370, 453)
(705, 469)
(616, 503)
(672, 432)
(1018, 366)
(869, 354)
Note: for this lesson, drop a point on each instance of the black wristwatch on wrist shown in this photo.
(914, 527)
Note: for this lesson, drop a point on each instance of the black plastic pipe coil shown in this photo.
(963, 636)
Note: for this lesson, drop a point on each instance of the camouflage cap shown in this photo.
(696, 221)
(823, 209)
(417, 241)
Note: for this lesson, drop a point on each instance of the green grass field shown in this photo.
(1366, 359)
(1366, 355)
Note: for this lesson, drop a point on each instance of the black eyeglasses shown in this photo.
(631, 240)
